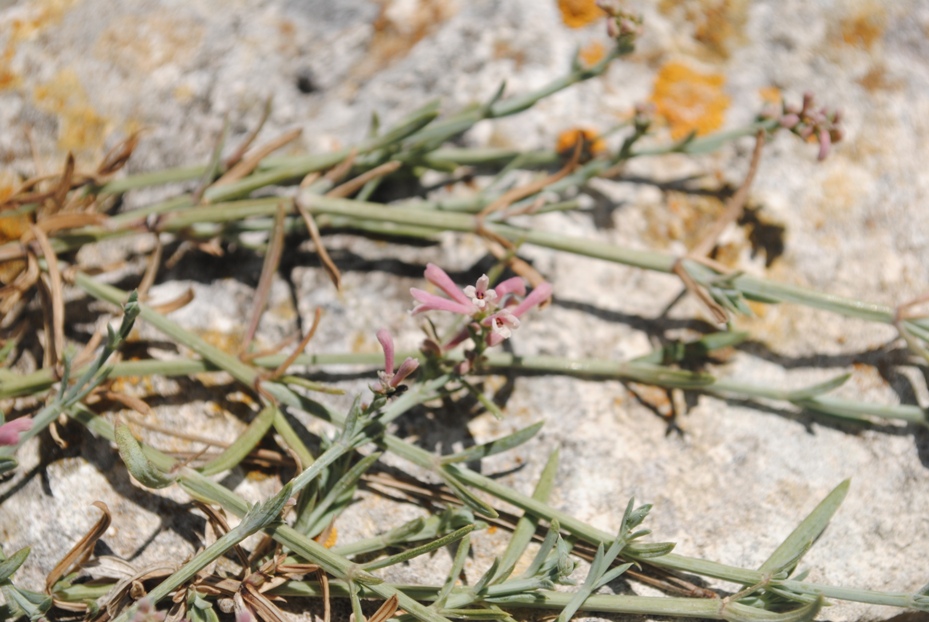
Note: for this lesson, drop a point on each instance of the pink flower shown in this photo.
(502, 324)
(10, 431)
(473, 300)
(514, 285)
(390, 380)
(481, 297)
(505, 321)
(536, 297)
(457, 301)
(495, 311)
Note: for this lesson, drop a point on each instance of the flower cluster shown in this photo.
(493, 312)
(809, 122)
(621, 23)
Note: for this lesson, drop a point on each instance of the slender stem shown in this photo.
(620, 370)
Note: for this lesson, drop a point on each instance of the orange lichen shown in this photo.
(876, 80)
(81, 128)
(8, 77)
(41, 14)
(863, 29)
(688, 100)
(12, 225)
(770, 94)
(717, 24)
(592, 53)
(146, 42)
(328, 537)
(399, 27)
(579, 13)
(721, 25)
(592, 145)
(503, 49)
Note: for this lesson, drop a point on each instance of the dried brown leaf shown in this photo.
(386, 610)
(117, 157)
(70, 220)
(129, 401)
(734, 206)
(173, 305)
(331, 269)
(56, 324)
(343, 168)
(24, 281)
(262, 607)
(237, 155)
(82, 550)
(60, 193)
(353, 185)
(317, 315)
(249, 164)
(151, 269)
(268, 269)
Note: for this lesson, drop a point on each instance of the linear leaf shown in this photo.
(419, 550)
(527, 524)
(495, 447)
(236, 452)
(818, 389)
(136, 461)
(737, 612)
(12, 563)
(449, 475)
(789, 553)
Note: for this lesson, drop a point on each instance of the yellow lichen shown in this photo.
(592, 145)
(8, 78)
(864, 28)
(592, 53)
(770, 94)
(579, 13)
(690, 101)
(40, 14)
(81, 128)
(12, 225)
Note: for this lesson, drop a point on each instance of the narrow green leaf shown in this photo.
(648, 550)
(449, 474)
(496, 446)
(476, 614)
(236, 452)
(419, 550)
(215, 165)
(408, 125)
(665, 377)
(138, 464)
(613, 573)
(7, 464)
(551, 539)
(603, 559)
(496, 97)
(26, 602)
(292, 439)
(316, 520)
(200, 609)
(12, 563)
(737, 612)
(265, 513)
(789, 553)
(818, 389)
(527, 524)
(486, 577)
(461, 556)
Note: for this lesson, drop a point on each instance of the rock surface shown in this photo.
(79, 75)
